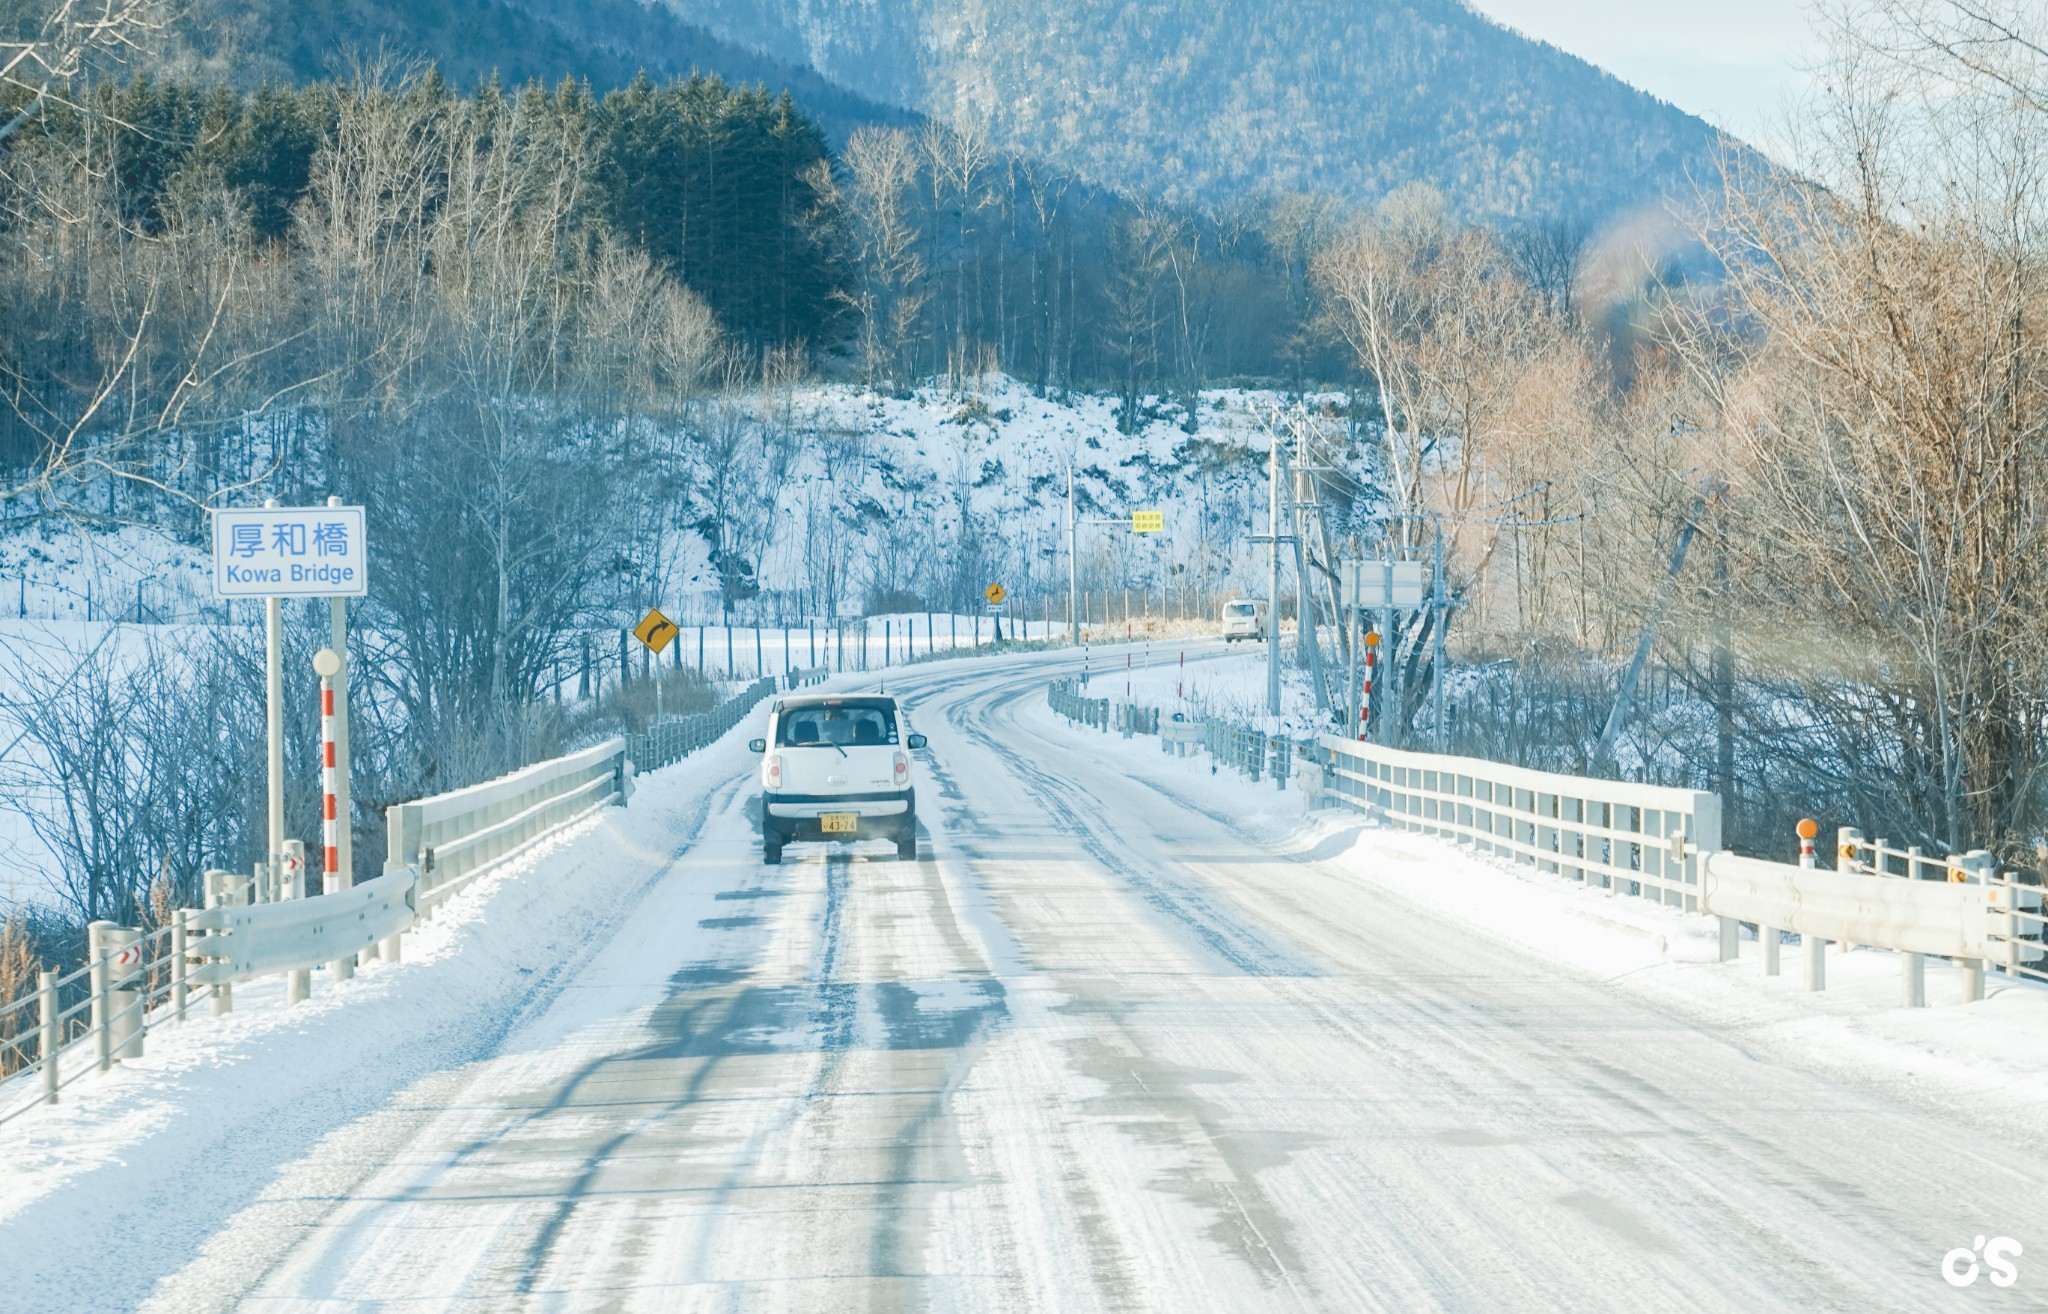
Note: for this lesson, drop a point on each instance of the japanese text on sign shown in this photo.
(290, 552)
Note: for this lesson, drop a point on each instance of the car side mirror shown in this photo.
(757, 745)
(916, 742)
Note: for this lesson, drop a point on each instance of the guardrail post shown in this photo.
(1767, 939)
(50, 1039)
(1983, 870)
(124, 1000)
(1913, 980)
(96, 981)
(1816, 961)
(298, 983)
(1731, 939)
(391, 948)
(178, 963)
(216, 893)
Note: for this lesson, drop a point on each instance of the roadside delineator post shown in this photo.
(1372, 648)
(327, 662)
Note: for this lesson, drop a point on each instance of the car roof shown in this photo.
(795, 702)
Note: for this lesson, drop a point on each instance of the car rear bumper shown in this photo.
(800, 807)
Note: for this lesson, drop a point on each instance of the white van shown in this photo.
(837, 769)
(1244, 618)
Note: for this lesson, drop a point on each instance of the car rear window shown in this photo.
(846, 726)
(1240, 609)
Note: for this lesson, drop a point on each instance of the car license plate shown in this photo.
(839, 823)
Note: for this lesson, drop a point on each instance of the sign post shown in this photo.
(273, 552)
(338, 644)
(1385, 587)
(995, 593)
(657, 632)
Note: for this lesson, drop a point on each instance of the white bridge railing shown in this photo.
(1664, 843)
(1607, 834)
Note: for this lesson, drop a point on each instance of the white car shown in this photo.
(837, 769)
(1244, 618)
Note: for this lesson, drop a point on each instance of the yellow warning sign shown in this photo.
(656, 630)
(1148, 522)
(995, 593)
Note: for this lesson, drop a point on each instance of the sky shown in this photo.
(1734, 63)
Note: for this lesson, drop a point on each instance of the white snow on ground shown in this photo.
(1992, 1054)
(67, 571)
(158, 1141)
(1140, 1088)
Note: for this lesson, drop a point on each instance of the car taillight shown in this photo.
(902, 769)
(772, 770)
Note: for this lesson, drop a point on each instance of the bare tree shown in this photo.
(71, 38)
(1887, 392)
(881, 166)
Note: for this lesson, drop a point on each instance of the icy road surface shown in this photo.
(1098, 1052)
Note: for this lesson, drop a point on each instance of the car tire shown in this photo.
(906, 848)
(771, 852)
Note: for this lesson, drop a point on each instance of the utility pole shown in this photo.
(1305, 628)
(1073, 565)
(1348, 609)
(1274, 460)
(1436, 664)
(273, 643)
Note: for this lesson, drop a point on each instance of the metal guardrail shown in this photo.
(266, 938)
(1065, 699)
(669, 741)
(133, 981)
(1244, 749)
(1609, 834)
(453, 838)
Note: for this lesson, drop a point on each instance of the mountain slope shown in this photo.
(1235, 97)
(604, 41)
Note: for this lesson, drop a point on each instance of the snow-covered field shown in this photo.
(1133, 1035)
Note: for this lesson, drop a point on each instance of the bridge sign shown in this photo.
(1371, 585)
(656, 630)
(290, 552)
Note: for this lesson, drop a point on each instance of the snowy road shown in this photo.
(1098, 1052)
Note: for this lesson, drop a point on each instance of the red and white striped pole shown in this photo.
(328, 664)
(1372, 648)
(1808, 828)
